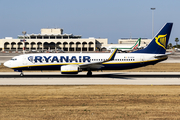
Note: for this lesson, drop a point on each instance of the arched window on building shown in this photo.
(52, 46)
(46, 46)
(39, 46)
(91, 46)
(58, 45)
(65, 46)
(46, 37)
(58, 37)
(39, 37)
(65, 37)
(78, 46)
(6, 46)
(71, 46)
(84, 46)
(52, 37)
(33, 46)
(33, 37)
(20, 46)
(26, 46)
(13, 46)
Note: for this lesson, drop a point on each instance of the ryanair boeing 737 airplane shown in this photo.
(72, 63)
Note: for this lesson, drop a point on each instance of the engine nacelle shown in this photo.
(69, 69)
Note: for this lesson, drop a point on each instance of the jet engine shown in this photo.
(70, 69)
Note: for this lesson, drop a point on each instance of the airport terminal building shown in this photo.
(51, 39)
(54, 40)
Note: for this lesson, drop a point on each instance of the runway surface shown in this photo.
(98, 78)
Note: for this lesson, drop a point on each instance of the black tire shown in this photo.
(21, 74)
(89, 73)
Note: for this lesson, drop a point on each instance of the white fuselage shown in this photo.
(56, 60)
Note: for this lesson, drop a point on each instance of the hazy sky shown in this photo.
(112, 19)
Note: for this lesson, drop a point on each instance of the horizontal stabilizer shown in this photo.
(164, 55)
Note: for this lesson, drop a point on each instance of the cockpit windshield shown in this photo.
(14, 59)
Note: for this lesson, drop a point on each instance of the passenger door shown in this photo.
(24, 60)
(142, 59)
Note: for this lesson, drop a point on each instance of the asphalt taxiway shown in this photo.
(98, 78)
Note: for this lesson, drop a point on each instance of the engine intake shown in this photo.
(69, 69)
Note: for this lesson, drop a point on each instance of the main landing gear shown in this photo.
(89, 73)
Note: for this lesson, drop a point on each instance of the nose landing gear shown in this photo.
(21, 74)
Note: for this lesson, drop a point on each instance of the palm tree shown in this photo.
(176, 40)
(170, 45)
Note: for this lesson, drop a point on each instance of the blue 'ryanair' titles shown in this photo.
(40, 59)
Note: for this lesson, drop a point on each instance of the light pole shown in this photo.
(153, 21)
(24, 33)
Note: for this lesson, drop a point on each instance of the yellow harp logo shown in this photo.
(161, 40)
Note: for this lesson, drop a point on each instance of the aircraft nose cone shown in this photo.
(7, 64)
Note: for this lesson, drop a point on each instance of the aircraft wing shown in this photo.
(96, 65)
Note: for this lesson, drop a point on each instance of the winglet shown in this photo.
(112, 55)
(99, 63)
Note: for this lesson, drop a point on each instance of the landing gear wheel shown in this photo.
(21, 74)
(89, 73)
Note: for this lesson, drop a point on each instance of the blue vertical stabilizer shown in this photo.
(159, 43)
